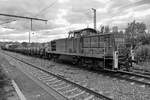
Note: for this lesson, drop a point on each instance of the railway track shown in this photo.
(68, 89)
(134, 78)
(131, 76)
(143, 72)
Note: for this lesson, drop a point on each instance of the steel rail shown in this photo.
(68, 81)
(129, 74)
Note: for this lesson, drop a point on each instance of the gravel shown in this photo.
(112, 87)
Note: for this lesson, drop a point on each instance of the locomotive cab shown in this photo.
(82, 33)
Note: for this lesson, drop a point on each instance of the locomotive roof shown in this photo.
(85, 29)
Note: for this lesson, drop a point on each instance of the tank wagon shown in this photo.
(87, 47)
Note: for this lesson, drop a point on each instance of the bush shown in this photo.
(4, 80)
(144, 39)
(142, 53)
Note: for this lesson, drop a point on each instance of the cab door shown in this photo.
(76, 45)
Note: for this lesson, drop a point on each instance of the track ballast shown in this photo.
(69, 89)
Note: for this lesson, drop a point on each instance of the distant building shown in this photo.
(115, 29)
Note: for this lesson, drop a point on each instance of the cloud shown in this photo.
(66, 15)
(63, 1)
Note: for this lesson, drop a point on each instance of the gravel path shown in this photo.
(112, 87)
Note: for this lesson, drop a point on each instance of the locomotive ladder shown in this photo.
(104, 54)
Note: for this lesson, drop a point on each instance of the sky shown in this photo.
(66, 15)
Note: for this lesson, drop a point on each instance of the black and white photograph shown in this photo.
(74, 49)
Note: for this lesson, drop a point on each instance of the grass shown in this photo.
(142, 56)
(4, 81)
(145, 66)
(142, 53)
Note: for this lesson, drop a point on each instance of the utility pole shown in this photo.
(94, 19)
(30, 32)
(23, 17)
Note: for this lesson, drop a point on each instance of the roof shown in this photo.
(88, 29)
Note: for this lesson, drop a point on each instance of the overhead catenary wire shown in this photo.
(46, 8)
(35, 15)
(8, 22)
(31, 18)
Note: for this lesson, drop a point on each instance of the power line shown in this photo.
(8, 22)
(46, 8)
(27, 17)
(35, 15)
(23, 17)
(31, 18)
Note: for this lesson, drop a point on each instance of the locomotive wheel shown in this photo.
(99, 64)
(75, 60)
(81, 62)
(55, 57)
(49, 56)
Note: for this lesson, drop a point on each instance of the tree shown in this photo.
(135, 33)
(135, 28)
(144, 39)
(24, 44)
